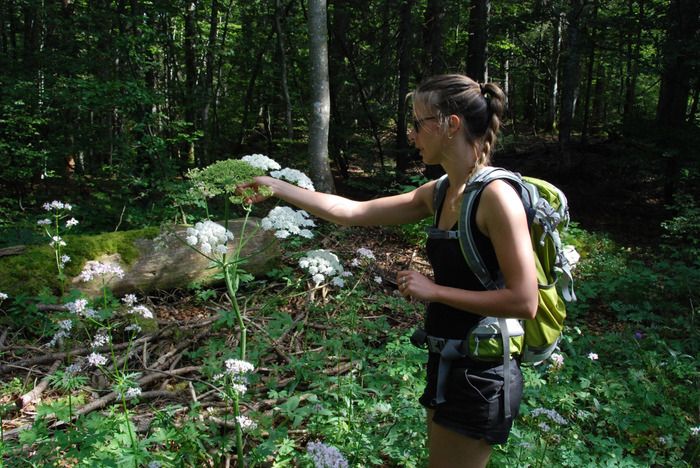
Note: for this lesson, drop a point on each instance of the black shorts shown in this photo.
(474, 395)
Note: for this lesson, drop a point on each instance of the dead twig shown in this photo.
(36, 392)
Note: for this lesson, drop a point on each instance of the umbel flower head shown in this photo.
(286, 222)
(261, 162)
(209, 237)
(323, 266)
(222, 177)
(105, 271)
(295, 177)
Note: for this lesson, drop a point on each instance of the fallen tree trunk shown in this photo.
(149, 263)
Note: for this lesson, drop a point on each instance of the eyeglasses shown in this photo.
(417, 123)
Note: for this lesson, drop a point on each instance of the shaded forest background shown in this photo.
(111, 102)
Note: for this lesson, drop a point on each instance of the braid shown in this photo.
(495, 100)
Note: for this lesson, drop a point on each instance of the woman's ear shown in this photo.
(454, 123)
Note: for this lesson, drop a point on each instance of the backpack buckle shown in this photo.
(436, 344)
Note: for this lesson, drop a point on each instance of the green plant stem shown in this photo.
(128, 426)
(232, 287)
(239, 433)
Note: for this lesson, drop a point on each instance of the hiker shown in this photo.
(455, 123)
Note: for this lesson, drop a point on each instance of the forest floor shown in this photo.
(608, 190)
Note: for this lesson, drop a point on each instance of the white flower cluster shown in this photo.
(236, 369)
(95, 269)
(64, 259)
(64, 328)
(245, 423)
(323, 265)
(57, 241)
(134, 327)
(71, 222)
(57, 206)
(593, 356)
(3, 296)
(261, 162)
(209, 237)
(96, 359)
(286, 222)
(557, 360)
(132, 392)
(80, 307)
(364, 257)
(695, 431)
(44, 222)
(295, 177)
(100, 340)
(131, 301)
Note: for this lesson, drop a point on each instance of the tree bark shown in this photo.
(283, 69)
(320, 97)
(570, 74)
(478, 37)
(190, 73)
(433, 61)
(404, 59)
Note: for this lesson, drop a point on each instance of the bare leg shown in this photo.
(451, 450)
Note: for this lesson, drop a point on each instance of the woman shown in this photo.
(456, 121)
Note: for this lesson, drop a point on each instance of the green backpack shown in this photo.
(532, 340)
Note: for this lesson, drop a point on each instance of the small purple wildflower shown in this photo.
(326, 456)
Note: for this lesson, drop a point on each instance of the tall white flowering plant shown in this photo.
(54, 226)
(224, 249)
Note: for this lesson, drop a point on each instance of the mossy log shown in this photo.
(151, 259)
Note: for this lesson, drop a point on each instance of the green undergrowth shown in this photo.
(34, 270)
(625, 396)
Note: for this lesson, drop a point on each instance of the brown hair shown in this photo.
(480, 106)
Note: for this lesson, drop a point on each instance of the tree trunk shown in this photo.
(404, 59)
(553, 81)
(633, 51)
(208, 83)
(478, 37)
(433, 61)
(570, 75)
(283, 69)
(190, 74)
(589, 74)
(678, 55)
(320, 97)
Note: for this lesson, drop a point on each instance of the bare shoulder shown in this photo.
(500, 206)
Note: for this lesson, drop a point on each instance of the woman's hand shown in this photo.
(255, 191)
(413, 284)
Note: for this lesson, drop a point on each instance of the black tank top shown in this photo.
(451, 269)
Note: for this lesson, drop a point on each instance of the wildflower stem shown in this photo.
(128, 426)
(239, 432)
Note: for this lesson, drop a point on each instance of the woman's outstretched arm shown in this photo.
(396, 209)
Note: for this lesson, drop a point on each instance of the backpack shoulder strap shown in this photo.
(466, 239)
(439, 196)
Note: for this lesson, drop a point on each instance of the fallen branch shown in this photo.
(14, 250)
(36, 392)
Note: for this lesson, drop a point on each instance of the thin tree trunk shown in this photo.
(589, 75)
(404, 60)
(208, 83)
(433, 61)
(283, 69)
(570, 76)
(478, 37)
(553, 81)
(633, 51)
(320, 97)
(190, 74)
